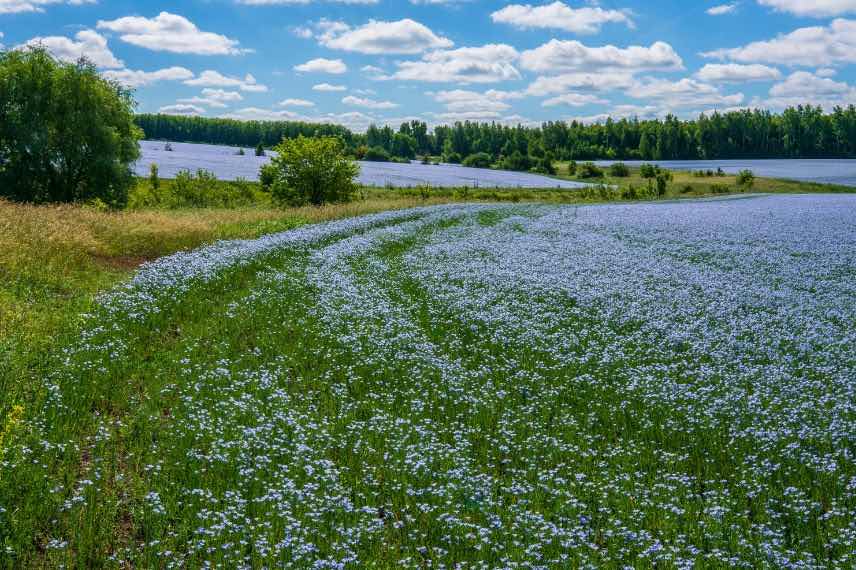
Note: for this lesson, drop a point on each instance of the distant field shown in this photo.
(227, 164)
(650, 385)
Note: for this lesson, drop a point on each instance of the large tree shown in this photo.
(66, 134)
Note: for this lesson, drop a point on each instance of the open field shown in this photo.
(522, 385)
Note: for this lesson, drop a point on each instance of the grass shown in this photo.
(54, 260)
(381, 394)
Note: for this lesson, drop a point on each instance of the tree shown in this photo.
(260, 150)
(478, 160)
(312, 171)
(66, 134)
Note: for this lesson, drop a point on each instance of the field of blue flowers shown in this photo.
(667, 385)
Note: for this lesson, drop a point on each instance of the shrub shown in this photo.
(478, 160)
(241, 152)
(544, 165)
(452, 157)
(649, 170)
(516, 161)
(66, 134)
(720, 189)
(313, 171)
(377, 154)
(154, 179)
(572, 168)
(619, 170)
(589, 170)
(167, 147)
(267, 174)
(663, 183)
(260, 150)
(746, 179)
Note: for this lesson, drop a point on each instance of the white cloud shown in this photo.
(379, 37)
(463, 101)
(585, 81)
(329, 88)
(209, 78)
(571, 55)
(172, 33)
(301, 2)
(218, 98)
(181, 109)
(737, 73)
(322, 65)
(803, 87)
(486, 64)
(683, 93)
(574, 100)
(813, 8)
(812, 46)
(368, 103)
(136, 78)
(87, 43)
(18, 6)
(296, 103)
(722, 9)
(558, 15)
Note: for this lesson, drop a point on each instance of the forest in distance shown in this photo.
(798, 132)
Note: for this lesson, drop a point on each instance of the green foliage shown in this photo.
(377, 154)
(260, 150)
(589, 170)
(572, 168)
(241, 152)
(199, 190)
(313, 171)
(478, 160)
(154, 179)
(746, 179)
(544, 164)
(66, 134)
(619, 170)
(649, 170)
(516, 161)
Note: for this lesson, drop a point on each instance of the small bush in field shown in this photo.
(478, 160)
(619, 170)
(154, 179)
(746, 179)
(313, 171)
(589, 170)
(572, 168)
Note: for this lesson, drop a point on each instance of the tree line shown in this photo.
(798, 132)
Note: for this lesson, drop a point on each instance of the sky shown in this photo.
(358, 62)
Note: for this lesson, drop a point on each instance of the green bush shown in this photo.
(194, 190)
(478, 160)
(649, 171)
(746, 179)
(313, 171)
(589, 170)
(619, 170)
(66, 134)
(572, 168)
(377, 154)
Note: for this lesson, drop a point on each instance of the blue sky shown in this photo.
(361, 61)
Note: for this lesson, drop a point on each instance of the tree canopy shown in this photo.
(311, 171)
(66, 134)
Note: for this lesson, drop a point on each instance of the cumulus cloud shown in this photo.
(218, 98)
(574, 100)
(802, 86)
(171, 33)
(380, 37)
(296, 103)
(558, 15)
(813, 8)
(571, 55)
(367, 103)
(86, 43)
(737, 73)
(463, 101)
(813, 46)
(683, 93)
(135, 78)
(181, 109)
(328, 87)
(722, 9)
(209, 78)
(486, 64)
(322, 65)
(19, 6)
(584, 81)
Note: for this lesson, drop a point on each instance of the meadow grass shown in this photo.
(134, 427)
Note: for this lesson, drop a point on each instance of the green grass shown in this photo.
(122, 422)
